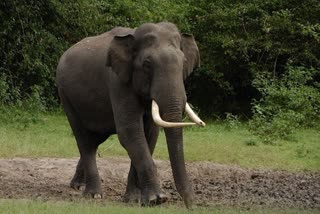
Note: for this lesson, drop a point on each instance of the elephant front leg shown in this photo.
(143, 177)
(133, 191)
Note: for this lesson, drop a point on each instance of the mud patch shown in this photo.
(214, 184)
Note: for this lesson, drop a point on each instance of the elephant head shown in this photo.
(155, 59)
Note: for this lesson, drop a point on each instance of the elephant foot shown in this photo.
(77, 185)
(161, 198)
(92, 195)
(93, 190)
(188, 199)
(78, 180)
(132, 196)
(154, 200)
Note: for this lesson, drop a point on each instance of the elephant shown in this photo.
(130, 82)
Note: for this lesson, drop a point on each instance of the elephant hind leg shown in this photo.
(79, 179)
(88, 142)
(88, 145)
(87, 172)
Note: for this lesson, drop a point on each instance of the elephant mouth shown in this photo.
(160, 122)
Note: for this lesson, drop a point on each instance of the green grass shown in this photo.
(31, 207)
(52, 137)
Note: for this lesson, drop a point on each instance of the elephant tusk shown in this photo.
(193, 116)
(157, 119)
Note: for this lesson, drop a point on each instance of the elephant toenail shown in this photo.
(97, 196)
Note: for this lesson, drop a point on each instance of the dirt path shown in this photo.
(48, 178)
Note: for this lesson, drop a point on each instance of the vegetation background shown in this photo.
(260, 59)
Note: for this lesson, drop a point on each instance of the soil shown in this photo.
(214, 184)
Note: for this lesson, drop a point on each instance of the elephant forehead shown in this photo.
(162, 30)
(147, 40)
(158, 40)
(144, 29)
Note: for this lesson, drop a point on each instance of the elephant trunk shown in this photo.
(172, 112)
(172, 103)
(176, 153)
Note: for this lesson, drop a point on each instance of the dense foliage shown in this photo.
(241, 40)
(34, 34)
(287, 103)
(259, 58)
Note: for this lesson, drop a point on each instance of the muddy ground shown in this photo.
(214, 184)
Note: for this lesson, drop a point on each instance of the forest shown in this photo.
(260, 59)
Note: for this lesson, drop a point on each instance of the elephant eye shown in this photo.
(147, 64)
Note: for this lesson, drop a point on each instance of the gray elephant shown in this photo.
(129, 82)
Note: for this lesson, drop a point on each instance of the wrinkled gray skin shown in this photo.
(106, 84)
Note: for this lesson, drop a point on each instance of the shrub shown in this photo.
(232, 121)
(4, 93)
(287, 102)
(23, 112)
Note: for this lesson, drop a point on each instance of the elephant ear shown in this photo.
(120, 56)
(191, 53)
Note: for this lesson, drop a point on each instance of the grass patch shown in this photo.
(51, 136)
(30, 206)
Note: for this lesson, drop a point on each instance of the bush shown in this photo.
(4, 93)
(287, 102)
(23, 113)
(232, 121)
